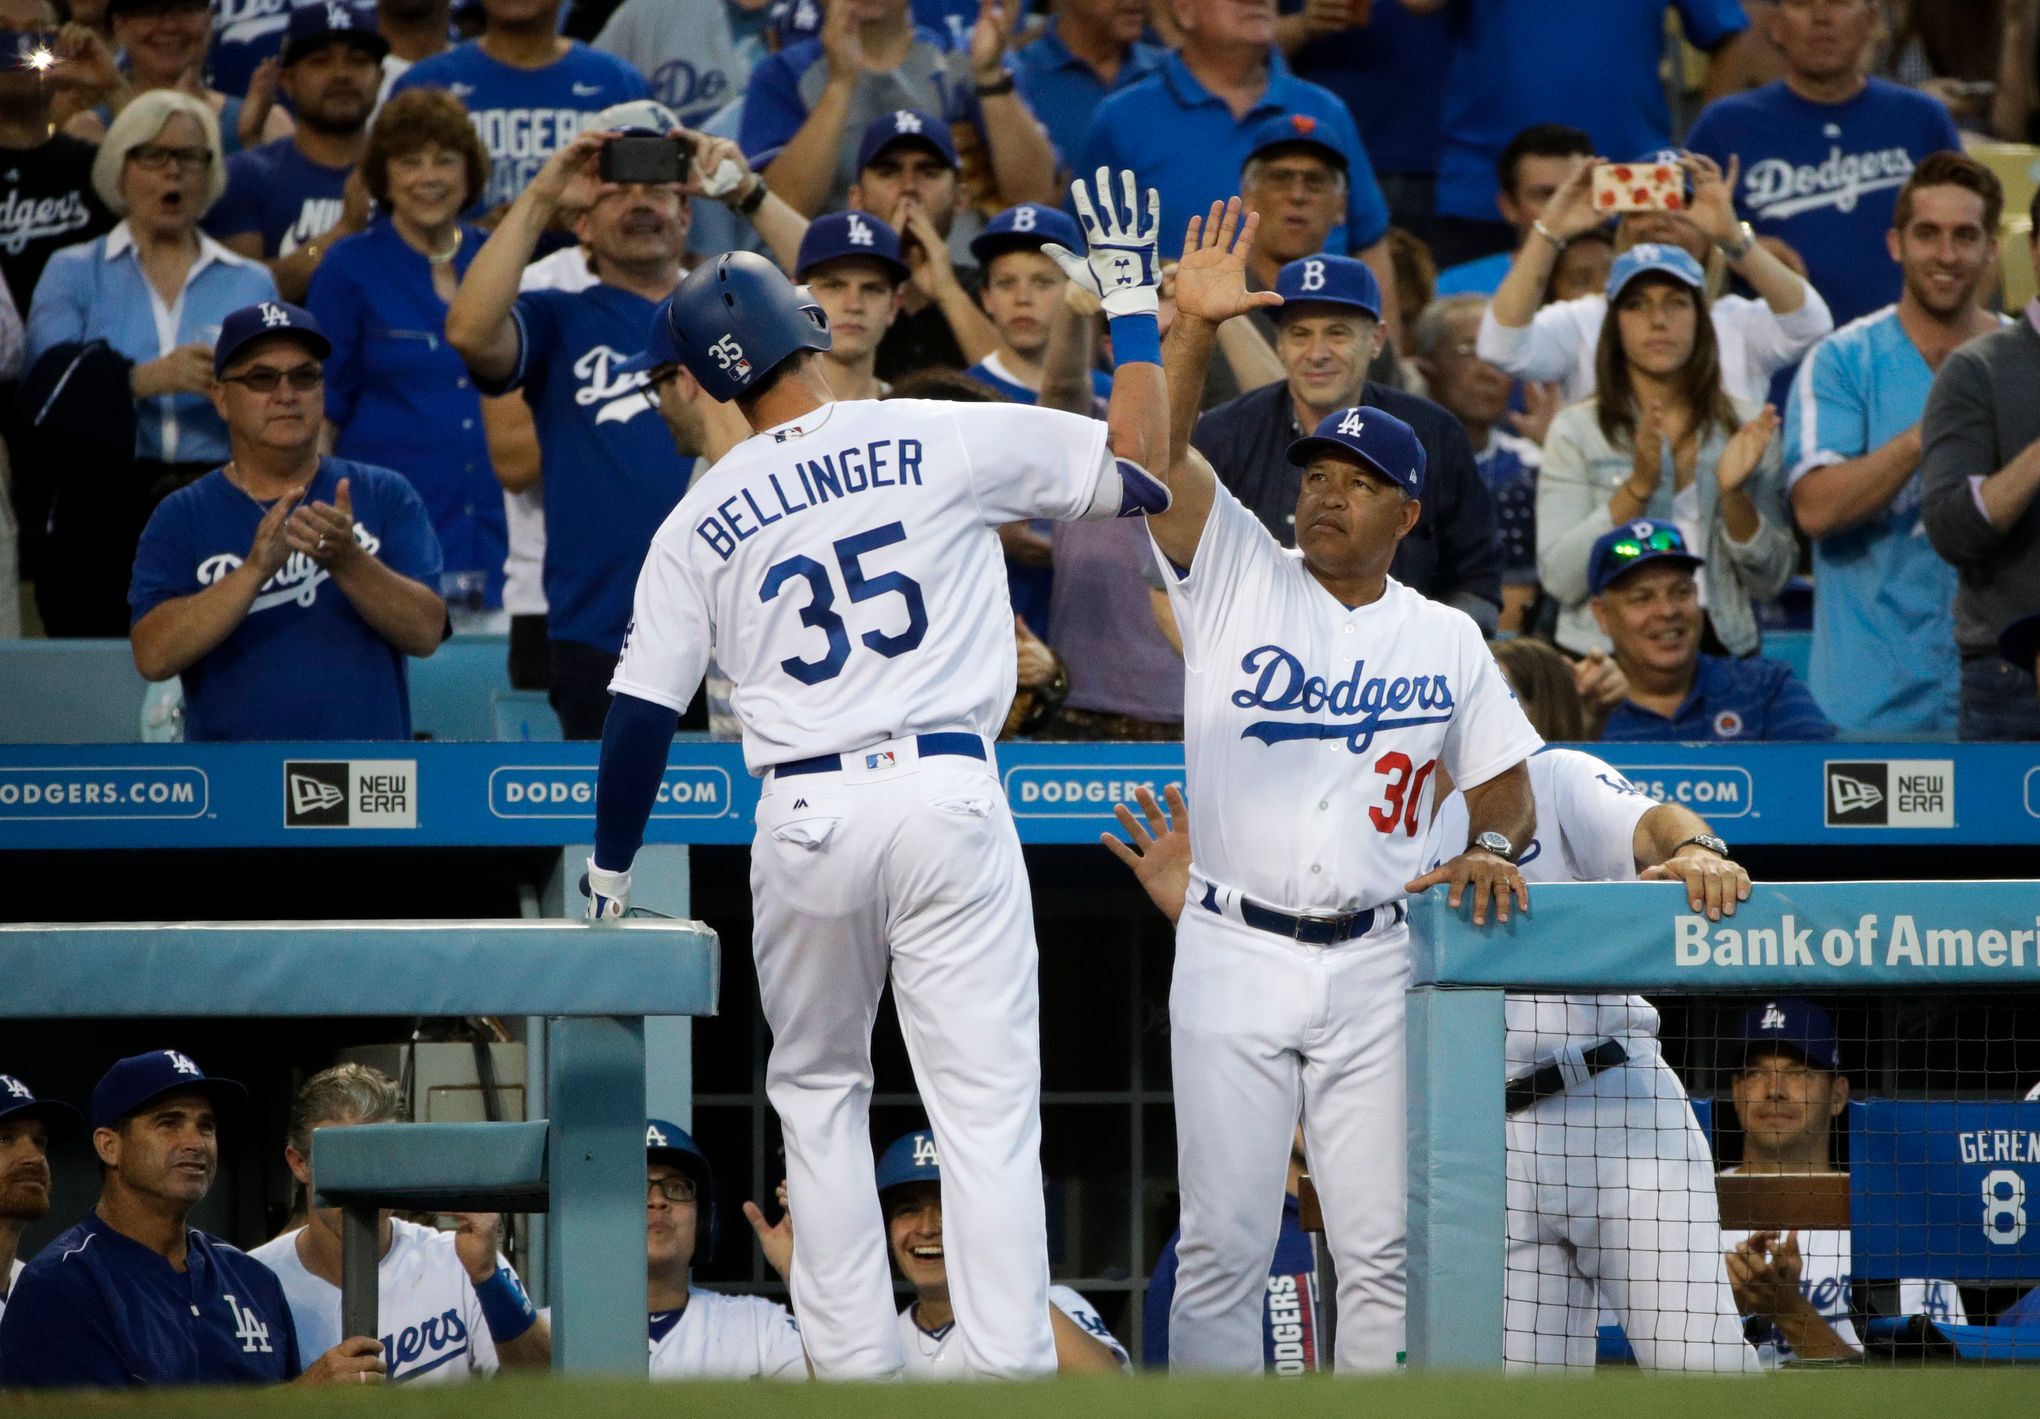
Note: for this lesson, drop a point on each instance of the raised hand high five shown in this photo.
(1211, 280)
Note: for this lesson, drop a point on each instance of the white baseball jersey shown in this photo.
(13, 1275)
(1824, 1280)
(1587, 814)
(929, 1356)
(718, 1337)
(431, 1320)
(844, 571)
(1312, 730)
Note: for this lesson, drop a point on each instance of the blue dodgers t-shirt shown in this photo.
(1824, 178)
(1289, 1334)
(1730, 699)
(524, 116)
(281, 195)
(1391, 73)
(612, 474)
(98, 1308)
(1591, 63)
(244, 33)
(303, 664)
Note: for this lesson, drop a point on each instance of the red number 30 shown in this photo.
(1405, 790)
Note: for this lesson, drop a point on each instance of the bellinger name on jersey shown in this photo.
(1362, 705)
(809, 483)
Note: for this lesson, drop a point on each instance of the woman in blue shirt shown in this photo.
(396, 392)
(131, 317)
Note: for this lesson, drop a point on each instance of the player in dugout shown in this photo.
(134, 1295)
(28, 1126)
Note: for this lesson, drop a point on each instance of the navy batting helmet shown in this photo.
(911, 1159)
(670, 1143)
(735, 319)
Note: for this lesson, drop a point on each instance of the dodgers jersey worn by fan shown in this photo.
(1610, 1181)
(930, 1358)
(718, 1337)
(844, 570)
(99, 1308)
(279, 194)
(1884, 659)
(524, 116)
(431, 1322)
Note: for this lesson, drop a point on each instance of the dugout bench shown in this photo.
(585, 1163)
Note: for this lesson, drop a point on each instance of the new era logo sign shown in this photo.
(354, 793)
(310, 795)
(1891, 793)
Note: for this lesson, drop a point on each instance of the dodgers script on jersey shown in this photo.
(432, 1326)
(845, 572)
(1586, 832)
(1312, 730)
(930, 1357)
(718, 1337)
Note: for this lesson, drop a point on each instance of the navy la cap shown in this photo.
(1623, 549)
(256, 322)
(1293, 130)
(140, 1078)
(1792, 1024)
(1329, 280)
(1649, 256)
(836, 235)
(1026, 228)
(17, 1100)
(1376, 438)
(313, 25)
(910, 1159)
(906, 125)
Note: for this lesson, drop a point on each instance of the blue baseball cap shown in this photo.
(1622, 550)
(791, 21)
(1026, 227)
(906, 125)
(1650, 256)
(659, 347)
(842, 234)
(17, 1100)
(911, 1159)
(1293, 130)
(1328, 280)
(1376, 438)
(313, 25)
(261, 320)
(647, 116)
(140, 1078)
(1790, 1023)
(670, 1143)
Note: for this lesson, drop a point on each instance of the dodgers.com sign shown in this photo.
(568, 791)
(86, 792)
(1082, 790)
(1715, 790)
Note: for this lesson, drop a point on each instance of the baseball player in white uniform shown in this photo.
(450, 1306)
(698, 1334)
(842, 567)
(1321, 696)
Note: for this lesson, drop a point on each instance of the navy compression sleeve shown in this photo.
(635, 739)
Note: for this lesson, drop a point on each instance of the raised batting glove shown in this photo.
(608, 893)
(1120, 262)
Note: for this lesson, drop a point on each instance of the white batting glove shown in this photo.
(1121, 261)
(608, 893)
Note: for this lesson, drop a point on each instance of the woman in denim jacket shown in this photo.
(1661, 439)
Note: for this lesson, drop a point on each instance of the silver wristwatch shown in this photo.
(1707, 840)
(1736, 251)
(1495, 843)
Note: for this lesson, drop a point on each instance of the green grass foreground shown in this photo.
(1924, 1393)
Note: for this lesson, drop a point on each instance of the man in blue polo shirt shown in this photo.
(1187, 128)
(1594, 64)
(1089, 48)
(285, 588)
(1824, 150)
(133, 1295)
(611, 474)
(529, 89)
(1648, 604)
(1884, 660)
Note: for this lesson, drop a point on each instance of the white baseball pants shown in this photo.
(1611, 1197)
(1263, 1031)
(916, 869)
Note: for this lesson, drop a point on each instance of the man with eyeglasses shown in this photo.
(1788, 1089)
(285, 587)
(1647, 600)
(697, 1334)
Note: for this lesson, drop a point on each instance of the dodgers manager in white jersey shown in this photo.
(843, 568)
(1320, 698)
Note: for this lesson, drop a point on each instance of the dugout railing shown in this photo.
(1827, 940)
(594, 984)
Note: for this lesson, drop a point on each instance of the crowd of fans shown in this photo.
(1797, 356)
